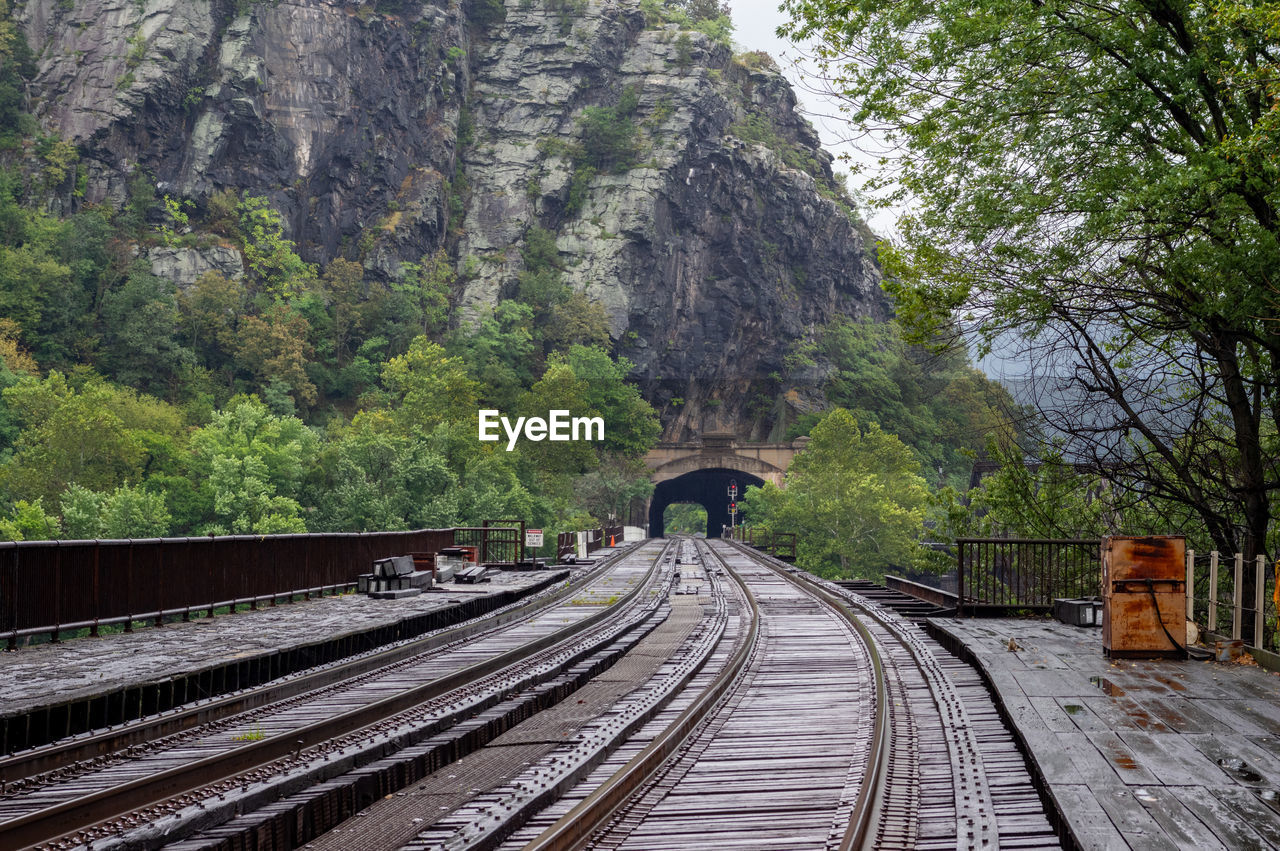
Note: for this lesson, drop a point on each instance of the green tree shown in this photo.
(853, 496)
(499, 352)
(28, 521)
(631, 425)
(96, 434)
(126, 512)
(210, 310)
(253, 464)
(1101, 185)
(685, 518)
(140, 346)
(274, 348)
(273, 262)
(379, 478)
(430, 387)
(16, 66)
(934, 402)
(425, 291)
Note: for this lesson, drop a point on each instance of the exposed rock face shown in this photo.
(721, 248)
(184, 266)
(332, 111)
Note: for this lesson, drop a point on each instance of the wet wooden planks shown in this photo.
(793, 746)
(1136, 753)
(363, 690)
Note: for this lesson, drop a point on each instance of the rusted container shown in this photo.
(1143, 576)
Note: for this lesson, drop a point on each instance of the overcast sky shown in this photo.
(755, 22)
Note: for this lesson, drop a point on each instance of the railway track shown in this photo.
(723, 700)
(845, 727)
(326, 722)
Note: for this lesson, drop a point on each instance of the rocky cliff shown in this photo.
(704, 218)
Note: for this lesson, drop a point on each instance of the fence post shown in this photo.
(1191, 585)
(959, 579)
(1213, 591)
(1260, 576)
(1237, 597)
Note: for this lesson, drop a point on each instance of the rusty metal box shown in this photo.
(1140, 577)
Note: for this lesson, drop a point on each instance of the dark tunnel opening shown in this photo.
(708, 488)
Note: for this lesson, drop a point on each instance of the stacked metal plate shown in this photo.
(394, 578)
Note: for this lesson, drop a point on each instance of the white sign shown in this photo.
(533, 538)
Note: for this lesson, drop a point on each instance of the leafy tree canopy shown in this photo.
(854, 496)
(1101, 184)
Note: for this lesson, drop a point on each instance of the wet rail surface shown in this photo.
(434, 691)
(781, 761)
(745, 705)
(794, 757)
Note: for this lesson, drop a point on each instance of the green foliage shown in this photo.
(252, 464)
(937, 404)
(855, 498)
(275, 348)
(684, 52)
(1047, 498)
(706, 16)
(16, 67)
(630, 424)
(59, 157)
(276, 269)
(140, 346)
(95, 434)
(486, 13)
(757, 128)
(1103, 188)
(499, 353)
(608, 142)
(379, 478)
(28, 521)
(685, 518)
(126, 512)
(177, 219)
(430, 387)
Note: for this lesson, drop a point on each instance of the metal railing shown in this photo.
(1216, 599)
(50, 587)
(780, 545)
(497, 542)
(998, 575)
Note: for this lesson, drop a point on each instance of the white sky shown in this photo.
(755, 23)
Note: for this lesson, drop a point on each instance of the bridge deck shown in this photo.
(1136, 753)
(82, 668)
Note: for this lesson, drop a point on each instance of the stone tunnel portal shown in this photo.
(708, 488)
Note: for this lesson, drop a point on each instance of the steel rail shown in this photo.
(72, 816)
(866, 809)
(68, 752)
(594, 810)
(859, 836)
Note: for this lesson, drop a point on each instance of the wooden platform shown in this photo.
(1135, 753)
(84, 667)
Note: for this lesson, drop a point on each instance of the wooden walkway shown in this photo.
(1137, 754)
(84, 667)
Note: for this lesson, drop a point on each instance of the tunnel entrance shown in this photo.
(708, 488)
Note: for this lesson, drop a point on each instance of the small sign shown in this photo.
(533, 538)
